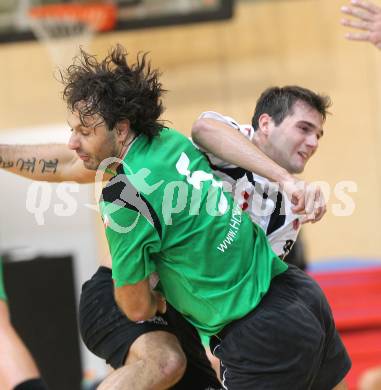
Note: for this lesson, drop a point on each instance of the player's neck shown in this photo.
(122, 153)
(127, 144)
(256, 140)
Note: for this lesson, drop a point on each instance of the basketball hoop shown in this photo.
(64, 28)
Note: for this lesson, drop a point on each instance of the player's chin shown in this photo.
(298, 168)
(91, 165)
(298, 163)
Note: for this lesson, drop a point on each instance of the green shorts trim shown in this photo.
(3, 295)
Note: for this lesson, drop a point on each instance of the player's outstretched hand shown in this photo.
(307, 198)
(367, 21)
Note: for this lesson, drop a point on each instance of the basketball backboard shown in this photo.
(131, 14)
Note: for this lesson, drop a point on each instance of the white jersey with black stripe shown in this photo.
(266, 205)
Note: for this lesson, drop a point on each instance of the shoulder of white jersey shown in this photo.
(219, 117)
(215, 161)
(246, 129)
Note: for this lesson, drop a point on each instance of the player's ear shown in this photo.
(264, 124)
(122, 130)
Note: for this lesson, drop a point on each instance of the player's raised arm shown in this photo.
(49, 162)
(228, 144)
(366, 20)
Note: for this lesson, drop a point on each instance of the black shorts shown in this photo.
(289, 341)
(109, 334)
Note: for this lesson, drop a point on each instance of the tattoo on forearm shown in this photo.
(49, 166)
(26, 164)
(29, 164)
(6, 164)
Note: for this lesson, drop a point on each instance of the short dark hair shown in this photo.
(115, 90)
(278, 102)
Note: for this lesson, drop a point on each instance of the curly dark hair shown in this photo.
(115, 90)
(279, 102)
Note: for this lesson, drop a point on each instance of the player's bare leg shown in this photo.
(371, 379)
(215, 362)
(155, 362)
(18, 365)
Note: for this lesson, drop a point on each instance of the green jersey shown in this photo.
(165, 212)
(3, 296)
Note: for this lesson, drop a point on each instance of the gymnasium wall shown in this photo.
(223, 67)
